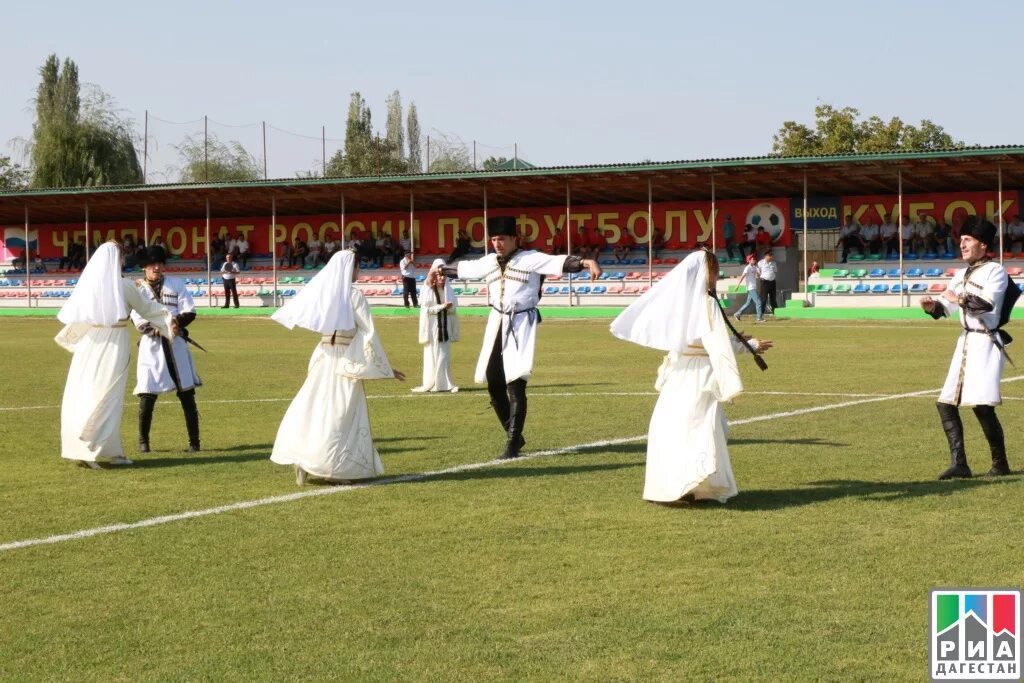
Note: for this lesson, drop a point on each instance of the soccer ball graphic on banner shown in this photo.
(768, 216)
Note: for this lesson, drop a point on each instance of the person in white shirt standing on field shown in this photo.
(985, 296)
(749, 278)
(408, 268)
(228, 272)
(769, 271)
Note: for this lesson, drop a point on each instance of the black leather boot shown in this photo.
(996, 442)
(146, 405)
(516, 420)
(188, 406)
(954, 428)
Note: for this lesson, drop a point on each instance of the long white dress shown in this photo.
(977, 365)
(90, 415)
(437, 355)
(687, 451)
(326, 429)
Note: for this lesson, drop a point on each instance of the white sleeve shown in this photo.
(477, 268)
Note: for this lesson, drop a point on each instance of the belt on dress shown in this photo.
(509, 328)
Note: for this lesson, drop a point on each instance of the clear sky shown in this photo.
(570, 82)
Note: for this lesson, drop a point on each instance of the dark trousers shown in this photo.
(230, 288)
(409, 290)
(768, 289)
(507, 398)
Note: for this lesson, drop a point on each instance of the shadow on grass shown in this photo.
(518, 472)
(809, 441)
(836, 489)
(248, 453)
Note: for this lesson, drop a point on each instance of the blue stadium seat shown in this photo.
(861, 288)
(617, 276)
(876, 272)
(583, 289)
(639, 261)
(565, 290)
(897, 288)
(600, 289)
(915, 272)
(930, 256)
(912, 256)
(894, 272)
(934, 272)
(551, 290)
(918, 288)
(880, 289)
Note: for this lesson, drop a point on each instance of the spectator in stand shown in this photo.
(768, 270)
(813, 270)
(887, 235)
(598, 243)
(1015, 231)
(330, 246)
(18, 262)
(387, 247)
(849, 239)
(367, 251)
(218, 249)
(749, 277)
(624, 246)
(581, 243)
(749, 239)
(315, 248)
(232, 246)
(659, 243)
(379, 245)
(228, 272)
(286, 255)
(38, 265)
(923, 234)
(158, 241)
(558, 242)
(907, 235)
(462, 245)
(409, 280)
(243, 252)
(299, 253)
(729, 233)
(762, 241)
(405, 247)
(74, 256)
(941, 242)
(870, 234)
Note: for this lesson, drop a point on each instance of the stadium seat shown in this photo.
(551, 290)
(915, 272)
(937, 288)
(934, 272)
(841, 288)
(855, 257)
(822, 289)
(583, 289)
(880, 289)
(918, 288)
(876, 273)
(896, 288)
(912, 256)
(894, 273)
(861, 288)
(840, 273)
(630, 289)
(565, 290)
(859, 272)
(615, 289)
(874, 257)
(930, 256)
(639, 261)
(950, 272)
(1014, 271)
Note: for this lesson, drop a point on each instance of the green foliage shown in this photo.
(215, 161)
(79, 141)
(412, 127)
(360, 157)
(448, 154)
(494, 163)
(838, 131)
(395, 133)
(13, 176)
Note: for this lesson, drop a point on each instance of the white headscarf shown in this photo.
(672, 314)
(449, 291)
(97, 299)
(324, 305)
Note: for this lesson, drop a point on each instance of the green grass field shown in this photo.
(547, 568)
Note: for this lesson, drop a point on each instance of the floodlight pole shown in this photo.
(209, 269)
(714, 241)
(145, 222)
(145, 147)
(412, 233)
(265, 176)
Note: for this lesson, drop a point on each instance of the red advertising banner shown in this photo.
(681, 225)
(952, 207)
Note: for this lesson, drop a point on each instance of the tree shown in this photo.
(448, 154)
(215, 161)
(493, 163)
(79, 141)
(412, 127)
(13, 176)
(360, 156)
(395, 133)
(838, 131)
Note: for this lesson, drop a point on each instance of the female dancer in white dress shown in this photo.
(326, 431)
(687, 453)
(439, 327)
(96, 332)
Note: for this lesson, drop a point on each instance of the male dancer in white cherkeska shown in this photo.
(514, 277)
(985, 296)
(165, 364)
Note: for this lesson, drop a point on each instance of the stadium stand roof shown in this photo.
(965, 169)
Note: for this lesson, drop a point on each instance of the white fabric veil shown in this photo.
(449, 291)
(324, 305)
(97, 299)
(672, 314)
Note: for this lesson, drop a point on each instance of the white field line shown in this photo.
(273, 500)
